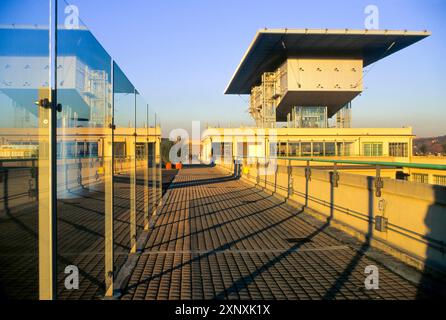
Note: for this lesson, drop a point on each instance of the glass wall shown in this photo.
(84, 90)
(123, 187)
(24, 135)
(79, 165)
(142, 164)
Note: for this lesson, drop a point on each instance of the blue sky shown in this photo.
(181, 54)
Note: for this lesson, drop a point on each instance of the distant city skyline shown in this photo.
(181, 55)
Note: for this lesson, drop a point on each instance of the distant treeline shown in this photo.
(433, 145)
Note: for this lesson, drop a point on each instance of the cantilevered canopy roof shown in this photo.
(271, 47)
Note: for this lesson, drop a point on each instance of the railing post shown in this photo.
(257, 171)
(154, 179)
(132, 173)
(290, 179)
(335, 176)
(146, 187)
(379, 183)
(308, 172)
(307, 181)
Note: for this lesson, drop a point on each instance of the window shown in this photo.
(227, 149)
(293, 149)
(440, 180)
(306, 149)
(318, 149)
(373, 149)
(345, 148)
(217, 149)
(420, 177)
(397, 149)
(282, 149)
(273, 149)
(119, 149)
(330, 149)
(140, 149)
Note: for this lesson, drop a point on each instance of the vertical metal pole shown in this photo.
(146, 174)
(133, 184)
(47, 171)
(108, 163)
(159, 170)
(155, 173)
(159, 180)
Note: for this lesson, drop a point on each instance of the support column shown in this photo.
(46, 194)
(159, 171)
(108, 181)
(154, 178)
(146, 186)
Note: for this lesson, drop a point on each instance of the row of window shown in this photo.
(424, 178)
(375, 149)
(318, 149)
(312, 149)
(84, 149)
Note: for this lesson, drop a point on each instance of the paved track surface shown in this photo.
(219, 238)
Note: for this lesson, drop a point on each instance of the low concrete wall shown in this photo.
(416, 212)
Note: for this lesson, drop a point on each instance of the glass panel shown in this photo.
(367, 149)
(217, 151)
(273, 149)
(306, 149)
(24, 80)
(330, 149)
(123, 140)
(318, 149)
(282, 149)
(156, 180)
(84, 139)
(142, 164)
(349, 148)
(293, 149)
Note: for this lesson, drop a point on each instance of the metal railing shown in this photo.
(371, 163)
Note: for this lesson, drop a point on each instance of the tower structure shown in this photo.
(291, 74)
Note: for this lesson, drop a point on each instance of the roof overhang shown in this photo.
(270, 48)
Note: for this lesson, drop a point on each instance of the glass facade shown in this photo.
(79, 158)
(308, 117)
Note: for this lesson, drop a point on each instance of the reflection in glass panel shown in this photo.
(83, 137)
(282, 149)
(24, 80)
(142, 168)
(123, 143)
(293, 149)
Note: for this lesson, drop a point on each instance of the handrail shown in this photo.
(363, 162)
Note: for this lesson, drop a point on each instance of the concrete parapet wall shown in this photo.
(416, 212)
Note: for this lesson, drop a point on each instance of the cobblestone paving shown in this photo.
(218, 238)
(80, 241)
